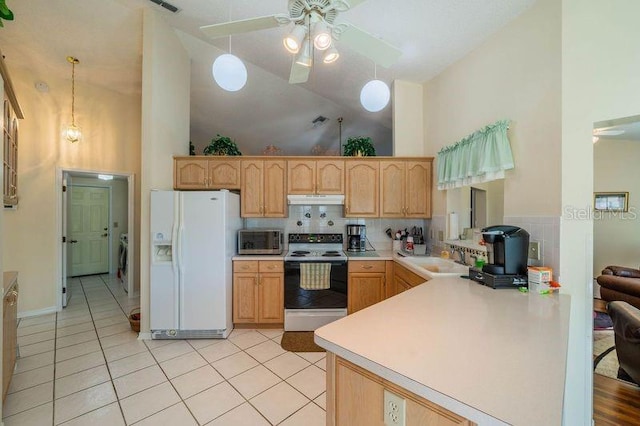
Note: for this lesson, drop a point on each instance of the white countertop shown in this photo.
(492, 356)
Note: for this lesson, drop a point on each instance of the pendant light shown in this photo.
(73, 133)
(375, 95)
(229, 72)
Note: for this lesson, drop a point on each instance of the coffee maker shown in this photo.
(356, 237)
(507, 253)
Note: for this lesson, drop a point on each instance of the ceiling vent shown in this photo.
(171, 8)
(319, 121)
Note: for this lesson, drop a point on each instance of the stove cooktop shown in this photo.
(315, 247)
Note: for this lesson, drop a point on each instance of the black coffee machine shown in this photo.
(356, 237)
(507, 253)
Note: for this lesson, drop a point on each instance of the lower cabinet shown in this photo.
(367, 283)
(404, 279)
(258, 292)
(9, 329)
(350, 388)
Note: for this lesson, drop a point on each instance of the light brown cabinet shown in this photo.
(206, 174)
(367, 283)
(258, 292)
(405, 188)
(262, 190)
(361, 188)
(9, 329)
(11, 113)
(320, 177)
(404, 279)
(350, 388)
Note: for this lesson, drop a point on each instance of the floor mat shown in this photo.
(299, 341)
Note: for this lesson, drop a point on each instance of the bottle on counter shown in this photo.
(409, 244)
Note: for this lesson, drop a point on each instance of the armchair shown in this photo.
(626, 327)
(620, 283)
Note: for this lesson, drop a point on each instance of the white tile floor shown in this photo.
(84, 366)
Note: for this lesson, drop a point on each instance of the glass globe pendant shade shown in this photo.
(375, 95)
(73, 133)
(229, 72)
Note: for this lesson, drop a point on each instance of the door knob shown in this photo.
(105, 229)
(73, 241)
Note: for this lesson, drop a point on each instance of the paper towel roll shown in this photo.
(453, 226)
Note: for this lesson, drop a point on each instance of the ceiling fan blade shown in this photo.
(241, 26)
(378, 50)
(299, 73)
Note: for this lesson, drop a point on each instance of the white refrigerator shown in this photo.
(193, 238)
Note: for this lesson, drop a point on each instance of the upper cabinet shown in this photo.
(204, 174)
(11, 113)
(405, 188)
(315, 177)
(362, 189)
(262, 192)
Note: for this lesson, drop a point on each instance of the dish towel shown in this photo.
(315, 276)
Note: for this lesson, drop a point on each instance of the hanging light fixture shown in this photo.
(321, 35)
(73, 133)
(293, 41)
(375, 95)
(228, 70)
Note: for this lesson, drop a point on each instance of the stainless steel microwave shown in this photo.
(260, 241)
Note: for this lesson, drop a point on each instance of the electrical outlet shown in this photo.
(534, 250)
(440, 235)
(394, 409)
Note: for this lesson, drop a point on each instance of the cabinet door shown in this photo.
(251, 193)
(418, 189)
(190, 174)
(361, 195)
(275, 197)
(329, 177)
(365, 289)
(301, 177)
(271, 298)
(392, 191)
(400, 285)
(359, 398)
(244, 297)
(224, 173)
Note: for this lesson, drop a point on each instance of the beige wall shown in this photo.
(165, 93)
(616, 235)
(592, 90)
(111, 125)
(408, 131)
(514, 75)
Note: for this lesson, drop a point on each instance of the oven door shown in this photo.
(331, 298)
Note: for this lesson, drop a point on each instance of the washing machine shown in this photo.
(122, 261)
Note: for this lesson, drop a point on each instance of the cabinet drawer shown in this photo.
(245, 266)
(366, 266)
(271, 266)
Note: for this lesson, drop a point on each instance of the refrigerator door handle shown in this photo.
(177, 259)
(180, 313)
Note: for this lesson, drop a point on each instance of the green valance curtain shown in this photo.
(482, 156)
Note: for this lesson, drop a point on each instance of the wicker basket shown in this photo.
(134, 319)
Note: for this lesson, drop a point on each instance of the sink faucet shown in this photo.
(461, 254)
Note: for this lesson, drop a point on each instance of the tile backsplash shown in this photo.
(330, 219)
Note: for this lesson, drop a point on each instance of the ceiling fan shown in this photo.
(314, 25)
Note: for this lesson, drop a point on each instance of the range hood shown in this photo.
(314, 200)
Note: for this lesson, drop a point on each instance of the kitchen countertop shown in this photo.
(493, 356)
(370, 255)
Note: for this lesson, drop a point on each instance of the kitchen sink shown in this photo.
(437, 267)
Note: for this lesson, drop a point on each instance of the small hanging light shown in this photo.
(228, 71)
(375, 95)
(73, 133)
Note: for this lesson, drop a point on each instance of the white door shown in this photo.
(66, 290)
(89, 230)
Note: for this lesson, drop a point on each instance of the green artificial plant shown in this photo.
(222, 145)
(5, 12)
(359, 146)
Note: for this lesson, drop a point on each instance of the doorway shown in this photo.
(478, 208)
(95, 213)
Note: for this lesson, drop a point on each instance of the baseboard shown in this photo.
(37, 312)
(144, 336)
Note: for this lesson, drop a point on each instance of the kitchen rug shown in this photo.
(605, 360)
(299, 341)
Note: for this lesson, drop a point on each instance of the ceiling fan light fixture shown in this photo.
(375, 95)
(331, 56)
(73, 133)
(293, 41)
(321, 35)
(305, 58)
(229, 72)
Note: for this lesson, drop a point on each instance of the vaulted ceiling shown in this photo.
(107, 37)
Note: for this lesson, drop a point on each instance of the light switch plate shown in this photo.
(534, 250)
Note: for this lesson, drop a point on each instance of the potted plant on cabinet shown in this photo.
(222, 145)
(359, 146)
